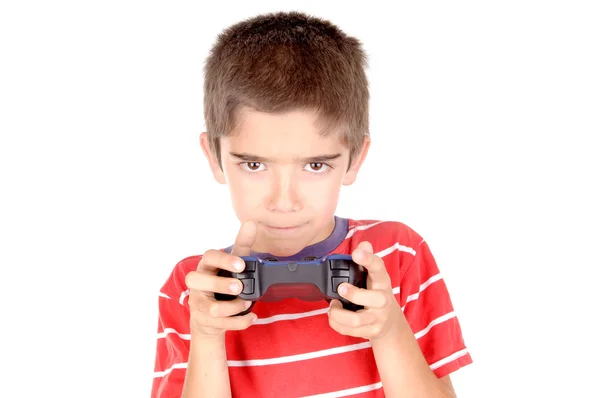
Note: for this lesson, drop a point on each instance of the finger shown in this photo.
(212, 283)
(335, 304)
(349, 318)
(220, 309)
(365, 332)
(217, 259)
(229, 322)
(377, 273)
(244, 239)
(365, 297)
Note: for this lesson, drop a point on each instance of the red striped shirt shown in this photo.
(292, 351)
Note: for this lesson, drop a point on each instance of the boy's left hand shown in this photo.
(381, 310)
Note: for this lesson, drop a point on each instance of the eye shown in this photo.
(317, 167)
(251, 166)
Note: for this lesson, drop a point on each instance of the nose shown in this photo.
(284, 197)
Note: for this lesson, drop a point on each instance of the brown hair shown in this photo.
(282, 61)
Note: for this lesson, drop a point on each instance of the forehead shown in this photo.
(281, 135)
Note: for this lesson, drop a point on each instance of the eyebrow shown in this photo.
(247, 157)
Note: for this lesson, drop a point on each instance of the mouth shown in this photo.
(284, 228)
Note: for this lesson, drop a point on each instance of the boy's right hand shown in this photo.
(209, 317)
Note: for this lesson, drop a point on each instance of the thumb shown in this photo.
(245, 239)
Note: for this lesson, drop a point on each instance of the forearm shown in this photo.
(402, 367)
(207, 371)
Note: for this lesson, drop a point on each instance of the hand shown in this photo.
(381, 310)
(209, 317)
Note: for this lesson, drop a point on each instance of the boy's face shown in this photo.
(284, 176)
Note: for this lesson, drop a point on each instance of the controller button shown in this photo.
(248, 286)
(338, 264)
(292, 266)
(250, 266)
(336, 282)
(340, 272)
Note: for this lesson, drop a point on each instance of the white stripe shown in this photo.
(161, 294)
(173, 331)
(350, 391)
(271, 319)
(301, 357)
(361, 228)
(449, 359)
(182, 365)
(423, 286)
(288, 317)
(184, 295)
(436, 321)
(396, 246)
(342, 393)
(433, 366)
(319, 354)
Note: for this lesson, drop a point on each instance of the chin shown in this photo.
(282, 248)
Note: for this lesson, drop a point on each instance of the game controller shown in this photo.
(309, 280)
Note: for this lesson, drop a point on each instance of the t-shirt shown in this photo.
(292, 351)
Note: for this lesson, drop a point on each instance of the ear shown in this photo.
(357, 162)
(215, 167)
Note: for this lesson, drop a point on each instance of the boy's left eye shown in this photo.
(317, 167)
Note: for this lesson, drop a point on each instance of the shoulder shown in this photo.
(394, 241)
(175, 281)
(383, 232)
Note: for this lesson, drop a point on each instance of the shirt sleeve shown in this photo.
(427, 306)
(172, 345)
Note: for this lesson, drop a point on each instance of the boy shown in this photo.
(286, 109)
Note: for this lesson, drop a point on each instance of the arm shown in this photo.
(415, 346)
(402, 367)
(207, 371)
(425, 343)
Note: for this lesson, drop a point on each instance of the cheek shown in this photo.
(329, 202)
(247, 193)
(322, 196)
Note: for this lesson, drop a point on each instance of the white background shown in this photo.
(485, 125)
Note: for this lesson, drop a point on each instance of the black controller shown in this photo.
(311, 280)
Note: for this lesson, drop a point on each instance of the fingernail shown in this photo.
(234, 287)
(342, 290)
(238, 265)
(254, 318)
(247, 304)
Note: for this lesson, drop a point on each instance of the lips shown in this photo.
(284, 227)
(287, 227)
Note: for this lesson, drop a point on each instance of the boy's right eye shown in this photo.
(251, 166)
